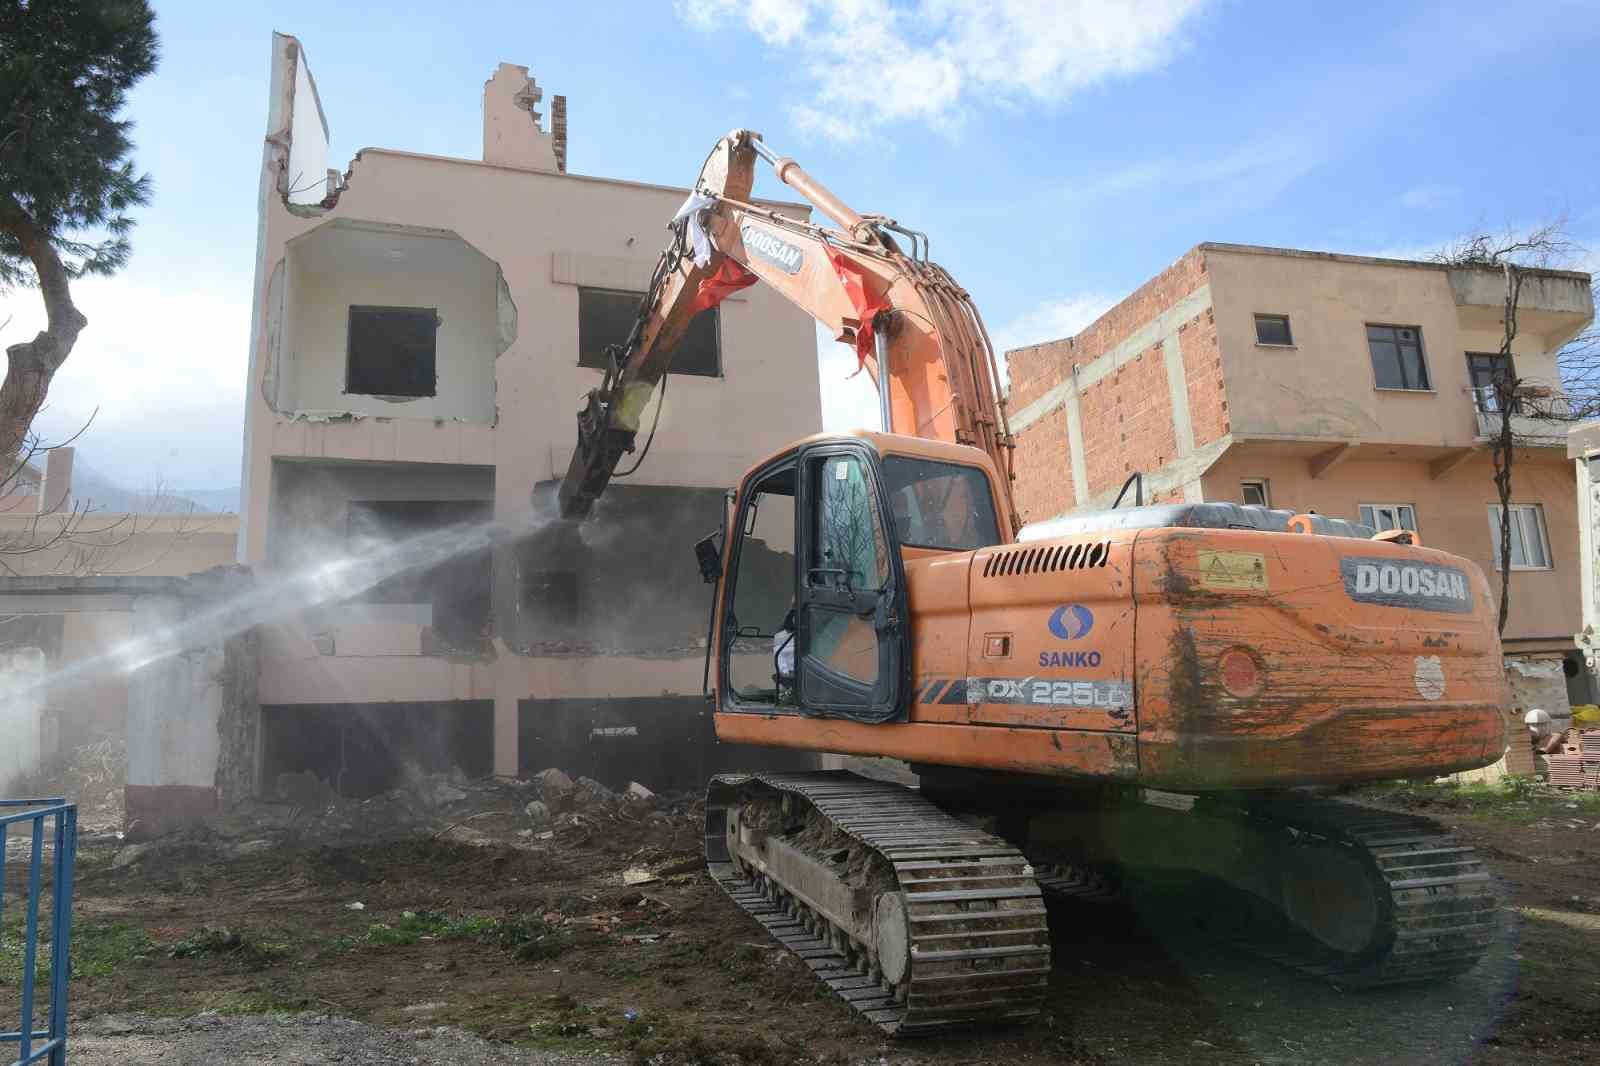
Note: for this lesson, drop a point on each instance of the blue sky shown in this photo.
(1058, 153)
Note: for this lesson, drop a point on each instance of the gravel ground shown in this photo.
(253, 1040)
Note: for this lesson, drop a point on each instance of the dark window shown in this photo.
(940, 505)
(1273, 329)
(606, 316)
(1487, 370)
(1255, 493)
(551, 596)
(391, 351)
(1397, 357)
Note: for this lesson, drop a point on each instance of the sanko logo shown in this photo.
(1405, 584)
(772, 248)
(1071, 621)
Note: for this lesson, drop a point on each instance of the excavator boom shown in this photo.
(915, 331)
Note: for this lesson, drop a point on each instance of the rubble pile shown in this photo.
(452, 807)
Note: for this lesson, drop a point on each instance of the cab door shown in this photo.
(852, 639)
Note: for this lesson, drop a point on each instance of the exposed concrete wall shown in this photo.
(174, 707)
(512, 133)
(69, 633)
(192, 717)
(336, 268)
(307, 175)
(1538, 682)
(22, 706)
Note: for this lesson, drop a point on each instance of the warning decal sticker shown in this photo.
(1233, 570)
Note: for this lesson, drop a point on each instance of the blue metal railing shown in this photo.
(49, 1043)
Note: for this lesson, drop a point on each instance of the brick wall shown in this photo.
(1036, 369)
(1044, 468)
(1127, 422)
(1126, 416)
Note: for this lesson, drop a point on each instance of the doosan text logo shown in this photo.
(1411, 581)
(772, 248)
(1414, 585)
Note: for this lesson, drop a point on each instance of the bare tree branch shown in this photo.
(1515, 255)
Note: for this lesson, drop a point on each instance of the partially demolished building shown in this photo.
(423, 331)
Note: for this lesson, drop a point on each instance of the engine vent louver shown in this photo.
(1047, 559)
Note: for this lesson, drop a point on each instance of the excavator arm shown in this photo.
(915, 331)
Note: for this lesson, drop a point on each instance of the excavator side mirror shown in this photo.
(708, 552)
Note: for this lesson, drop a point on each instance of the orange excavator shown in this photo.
(1135, 700)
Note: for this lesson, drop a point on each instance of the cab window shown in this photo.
(940, 505)
(762, 653)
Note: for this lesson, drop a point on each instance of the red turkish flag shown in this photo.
(729, 278)
(854, 280)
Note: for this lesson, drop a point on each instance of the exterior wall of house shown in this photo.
(72, 546)
(1323, 387)
(502, 247)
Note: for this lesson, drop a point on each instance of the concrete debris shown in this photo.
(554, 787)
(638, 875)
(638, 793)
(539, 811)
(355, 906)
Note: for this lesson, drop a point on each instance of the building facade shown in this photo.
(1347, 385)
(424, 331)
(60, 687)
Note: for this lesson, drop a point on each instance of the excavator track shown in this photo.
(1436, 898)
(1433, 900)
(979, 946)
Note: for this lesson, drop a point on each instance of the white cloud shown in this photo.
(164, 361)
(875, 62)
(1051, 320)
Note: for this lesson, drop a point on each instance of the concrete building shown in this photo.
(51, 543)
(1347, 385)
(424, 330)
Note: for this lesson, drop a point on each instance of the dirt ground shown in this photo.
(526, 935)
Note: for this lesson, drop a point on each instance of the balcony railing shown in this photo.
(1537, 413)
